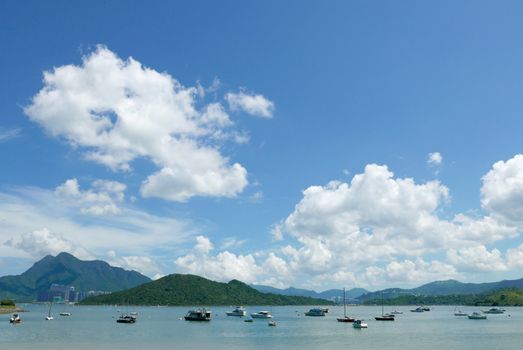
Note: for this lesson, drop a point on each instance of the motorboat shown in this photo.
(425, 308)
(248, 320)
(15, 318)
(315, 312)
(272, 323)
(477, 316)
(396, 312)
(345, 318)
(261, 314)
(198, 315)
(418, 309)
(494, 310)
(358, 324)
(65, 314)
(238, 311)
(126, 318)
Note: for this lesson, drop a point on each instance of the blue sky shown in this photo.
(313, 144)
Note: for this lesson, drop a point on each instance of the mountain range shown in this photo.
(332, 294)
(65, 269)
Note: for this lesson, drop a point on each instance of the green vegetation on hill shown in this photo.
(504, 297)
(65, 269)
(180, 289)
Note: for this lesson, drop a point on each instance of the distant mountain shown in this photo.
(331, 294)
(442, 288)
(178, 289)
(65, 269)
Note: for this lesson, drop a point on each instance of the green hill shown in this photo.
(504, 297)
(180, 289)
(65, 269)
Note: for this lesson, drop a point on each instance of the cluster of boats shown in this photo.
(480, 315)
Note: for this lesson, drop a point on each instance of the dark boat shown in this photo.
(126, 319)
(384, 317)
(198, 315)
(345, 318)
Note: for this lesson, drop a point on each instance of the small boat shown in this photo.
(325, 310)
(133, 313)
(425, 308)
(238, 311)
(65, 314)
(198, 315)
(126, 318)
(477, 316)
(49, 317)
(359, 324)
(15, 318)
(384, 317)
(272, 323)
(345, 318)
(459, 312)
(248, 320)
(494, 310)
(396, 312)
(261, 314)
(418, 309)
(315, 312)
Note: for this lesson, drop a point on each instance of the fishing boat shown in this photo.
(477, 316)
(15, 318)
(345, 318)
(198, 315)
(238, 311)
(126, 318)
(359, 324)
(315, 312)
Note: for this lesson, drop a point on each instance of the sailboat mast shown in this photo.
(344, 304)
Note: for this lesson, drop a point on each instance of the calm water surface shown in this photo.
(162, 328)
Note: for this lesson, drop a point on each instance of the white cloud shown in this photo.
(132, 232)
(223, 266)
(8, 134)
(378, 228)
(116, 111)
(477, 258)
(435, 159)
(103, 199)
(502, 190)
(40, 243)
(142, 264)
(256, 105)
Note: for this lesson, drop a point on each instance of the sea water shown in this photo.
(95, 327)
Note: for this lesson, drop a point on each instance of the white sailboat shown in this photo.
(49, 317)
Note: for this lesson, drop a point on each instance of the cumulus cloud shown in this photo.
(502, 190)
(223, 266)
(434, 159)
(102, 199)
(116, 111)
(142, 264)
(253, 104)
(40, 243)
(477, 258)
(379, 228)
